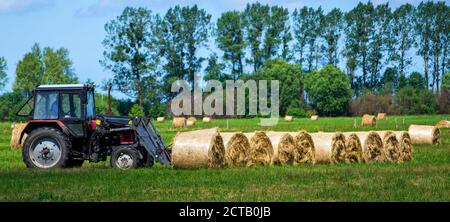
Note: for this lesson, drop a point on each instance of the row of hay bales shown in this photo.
(180, 122)
(211, 148)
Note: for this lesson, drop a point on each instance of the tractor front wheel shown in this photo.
(126, 158)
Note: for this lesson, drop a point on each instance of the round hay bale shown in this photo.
(15, 135)
(190, 122)
(236, 148)
(406, 148)
(314, 117)
(160, 119)
(381, 116)
(200, 148)
(372, 146)
(443, 124)
(368, 120)
(304, 151)
(329, 147)
(391, 146)
(288, 118)
(283, 145)
(192, 119)
(421, 134)
(261, 149)
(353, 149)
(206, 119)
(178, 122)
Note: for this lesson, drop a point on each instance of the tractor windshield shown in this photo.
(90, 106)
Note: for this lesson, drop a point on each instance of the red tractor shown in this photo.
(63, 130)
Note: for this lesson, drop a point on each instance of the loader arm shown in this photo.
(150, 139)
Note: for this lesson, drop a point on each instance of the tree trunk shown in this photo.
(425, 62)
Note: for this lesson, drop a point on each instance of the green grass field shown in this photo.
(426, 178)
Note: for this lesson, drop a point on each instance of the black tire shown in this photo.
(148, 160)
(76, 162)
(54, 135)
(126, 158)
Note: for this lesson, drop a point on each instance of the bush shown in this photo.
(329, 91)
(371, 103)
(295, 110)
(136, 111)
(410, 100)
(310, 113)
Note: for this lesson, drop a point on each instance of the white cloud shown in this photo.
(11, 6)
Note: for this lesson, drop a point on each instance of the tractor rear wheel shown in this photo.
(46, 147)
(126, 158)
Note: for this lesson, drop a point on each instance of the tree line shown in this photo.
(373, 44)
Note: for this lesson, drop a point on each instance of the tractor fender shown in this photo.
(33, 124)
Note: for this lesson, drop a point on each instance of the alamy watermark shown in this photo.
(233, 97)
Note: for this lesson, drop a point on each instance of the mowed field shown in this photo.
(426, 178)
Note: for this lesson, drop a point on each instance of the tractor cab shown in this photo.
(70, 105)
(63, 130)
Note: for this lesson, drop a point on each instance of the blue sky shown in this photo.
(78, 26)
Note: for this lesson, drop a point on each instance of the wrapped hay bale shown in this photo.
(443, 124)
(160, 119)
(206, 119)
(314, 117)
(372, 146)
(329, 147)
(381, 116)
(261, 149)
(304, 151)
(200, 148)
(421, 134)
(236, 148)
(288, 118)
(283, 145)
(353, 149)
(15, 135)
(405, 145)
(368, 120)
(178, 122)
(391, 146)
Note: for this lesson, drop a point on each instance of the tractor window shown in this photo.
(90, 106)
(46, 106)
(27, 108)
(71, 105)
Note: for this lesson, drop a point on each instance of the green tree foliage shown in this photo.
(390, 79)
(328, 90)
(230, 39)
(332, 24)
(401, 36)
(181, 33)
(136, 111)
(215, 69)
(378, 43)
(254, 18)
(291, 82)
(277, 34)
(307, 28)
(3, 76)
(358, 28)
(130, 53)
(43, 66)
(411, 101)
(416, 81)
(10, 103)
